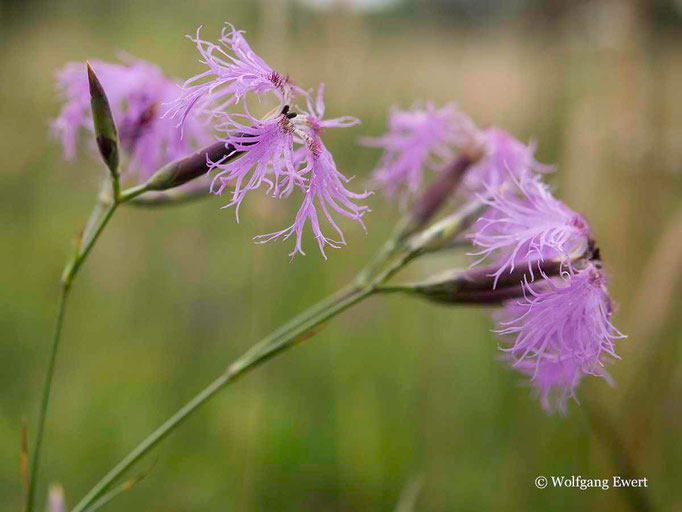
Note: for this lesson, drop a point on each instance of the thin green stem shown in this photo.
(132, 193)
(275, 343)
(74, 265)
(98, 220)
(387, 251)
(35, 464)
(298, 329)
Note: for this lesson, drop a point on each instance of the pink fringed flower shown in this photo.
(136, 91)
(427, 139)
(323, 185)
(525, 223)
(418, 139)
(562, 331)
(267, 148)
(233, 71)
(283, 149)
(504, 157)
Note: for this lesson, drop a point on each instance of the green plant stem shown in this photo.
(98, 220)
(298, 329)
(61, 303)
(277, 342)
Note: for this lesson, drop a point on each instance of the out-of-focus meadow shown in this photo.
(394, 388)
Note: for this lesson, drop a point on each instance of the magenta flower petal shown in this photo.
(525, 223)
(268, 158)
(326, 191)
(417, 140)
(505, 158)
(561, 331)
(234, 70)
(313, 115)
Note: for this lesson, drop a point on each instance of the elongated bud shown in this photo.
(186, 169)
(441, 190)
(105, 126)
(475, 286)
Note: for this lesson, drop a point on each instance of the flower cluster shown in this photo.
(137, 92)
(282, 150)
(559, 323)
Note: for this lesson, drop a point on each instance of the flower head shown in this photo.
(136, 91)
(417, 140)
(525, 223)
(234, 70)
(282, 150)
(561, 332)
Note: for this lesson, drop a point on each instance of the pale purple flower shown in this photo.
(234, 70)
(525, 224)
(137, 91)
(267, 148)
(283, 150)
(325, 189)
(561, 331)
(504, 157)
(417, 140)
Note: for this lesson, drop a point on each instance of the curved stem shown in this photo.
(286, 337)
(94, 228)
(99, 218)
(74, 265)
(298, 329)
(35, 463)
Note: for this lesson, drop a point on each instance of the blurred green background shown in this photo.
(394, 388)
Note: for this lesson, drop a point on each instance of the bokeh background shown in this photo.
(395, 389)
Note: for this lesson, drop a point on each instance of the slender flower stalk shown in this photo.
(368, 282)
(99, 219)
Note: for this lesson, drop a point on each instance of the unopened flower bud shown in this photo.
(475, 286)
(105, 126)
(186, 169)
(442, 189)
